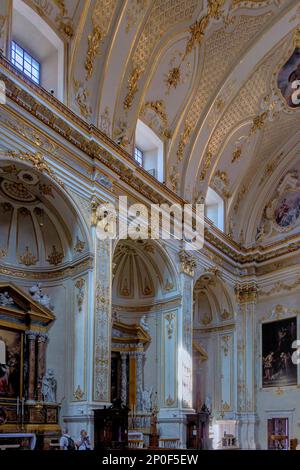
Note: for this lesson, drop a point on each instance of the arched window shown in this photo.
(36, 49)
(214, 208)
(149, 151)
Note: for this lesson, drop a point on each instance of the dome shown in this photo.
(33, 233)
(141, 272)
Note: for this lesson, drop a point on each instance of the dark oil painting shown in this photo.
(277, 367)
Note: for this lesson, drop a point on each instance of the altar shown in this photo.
(26, 409)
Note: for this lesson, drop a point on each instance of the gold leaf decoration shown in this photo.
(28, 258)
(206, 166)
(184, 137)
(78, 394)
(94, 41)
(55, 256)
(132, 87)
(236, 155)
(173, 77)
(38, 161)
(297, 38)
(79, 245)
(258, 122)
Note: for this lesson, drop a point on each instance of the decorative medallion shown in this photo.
(17, 191)
(28, 177)
(55, 256)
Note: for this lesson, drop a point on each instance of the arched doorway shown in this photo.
(44, 250)
(144, 283)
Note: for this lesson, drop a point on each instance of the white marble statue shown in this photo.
(49, 386)
(5, 299)
(37, 295)
(143, 323)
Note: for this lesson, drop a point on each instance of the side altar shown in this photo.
(27, 391)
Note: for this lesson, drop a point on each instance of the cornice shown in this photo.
(73, 269)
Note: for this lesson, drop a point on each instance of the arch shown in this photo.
(239, 74)
(212, 300)
(143, 273)
(54, 219)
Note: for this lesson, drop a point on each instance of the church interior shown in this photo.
(141, 341)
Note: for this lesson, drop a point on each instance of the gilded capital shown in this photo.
(246, 292)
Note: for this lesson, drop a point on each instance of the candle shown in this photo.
(18, 406)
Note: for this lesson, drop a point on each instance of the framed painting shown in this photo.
(11, 349)
(278, 369)
(287, 211)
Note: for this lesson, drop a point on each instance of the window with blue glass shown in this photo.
(25, 62)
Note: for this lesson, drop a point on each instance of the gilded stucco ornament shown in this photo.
(94, 41)
(78, 394)
(279, 287)
(102, 17)
(65, 24)
(134, 12)
(157, 108)
(79, 245)
(38, 162)
(183, 140)
(236, 154)
(188, 263)
(206, 165)
(246, 293)
(28, 258)
(132, 86)
(221, 183)
(55, 257)
(196, 35)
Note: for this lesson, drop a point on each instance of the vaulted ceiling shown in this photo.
(203, 75)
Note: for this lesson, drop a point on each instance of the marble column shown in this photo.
(41, 363)
(31, 337)
(124, 377)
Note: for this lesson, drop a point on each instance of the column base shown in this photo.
(172, 423)
(81, 416)
(247, 430)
